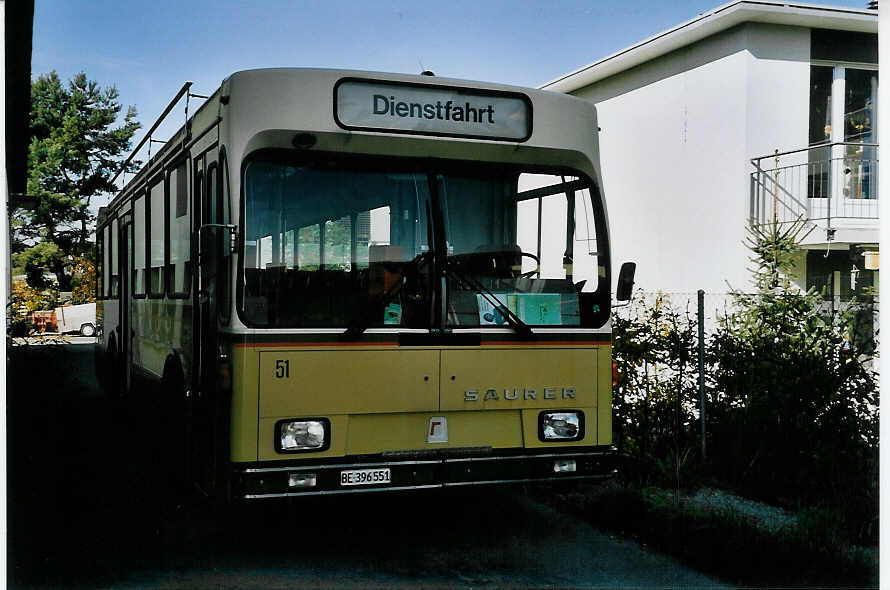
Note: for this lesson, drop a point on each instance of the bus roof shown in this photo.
(262, 108)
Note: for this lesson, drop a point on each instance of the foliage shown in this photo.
(24, 300)
(798, 415)
(27, 298)
(822, 528)
(792, 407)
(74, 152)
(83, 273)
(655, 350)
(35, 261)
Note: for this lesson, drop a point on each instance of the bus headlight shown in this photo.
(304, 434)
(561, 426)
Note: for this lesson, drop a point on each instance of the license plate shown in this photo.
(364, 477)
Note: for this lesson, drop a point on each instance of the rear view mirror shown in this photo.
(626, 281)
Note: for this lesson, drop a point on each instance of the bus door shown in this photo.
(197, 199)
(126, 303)
(204, 402)
(211, 253)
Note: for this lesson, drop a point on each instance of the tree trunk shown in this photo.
(62, 277)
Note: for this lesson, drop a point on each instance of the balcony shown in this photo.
(832, 186)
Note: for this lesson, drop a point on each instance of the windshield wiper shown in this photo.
(514, 320)
(360, 323)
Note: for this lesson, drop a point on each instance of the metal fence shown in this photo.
(820, 183)
(707, 310)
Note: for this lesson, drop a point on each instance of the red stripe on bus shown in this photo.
(312, 344)
(547, 343)
(396, 344)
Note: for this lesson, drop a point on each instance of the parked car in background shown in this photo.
(76, 318)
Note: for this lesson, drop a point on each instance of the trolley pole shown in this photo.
(701, 370)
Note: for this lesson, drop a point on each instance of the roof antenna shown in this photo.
(423, 70)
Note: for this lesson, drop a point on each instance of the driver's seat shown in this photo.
(496, 260)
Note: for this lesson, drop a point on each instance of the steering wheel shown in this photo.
(534, 271)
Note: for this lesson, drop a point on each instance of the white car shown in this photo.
(77, 318)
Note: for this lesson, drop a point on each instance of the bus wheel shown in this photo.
(87, 330)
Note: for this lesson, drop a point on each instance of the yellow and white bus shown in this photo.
(336, 281)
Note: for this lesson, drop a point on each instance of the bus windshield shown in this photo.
(340, 243)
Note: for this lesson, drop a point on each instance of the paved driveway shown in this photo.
(85, 512)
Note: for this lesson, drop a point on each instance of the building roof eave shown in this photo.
(712, 22)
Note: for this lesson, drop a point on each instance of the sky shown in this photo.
(148, 49)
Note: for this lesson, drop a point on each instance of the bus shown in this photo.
(332, 282)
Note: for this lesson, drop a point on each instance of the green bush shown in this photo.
(655, 351)
(796, 414)
(792, 412)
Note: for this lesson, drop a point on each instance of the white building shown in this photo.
(690, 122)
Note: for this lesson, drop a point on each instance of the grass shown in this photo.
(725, 544)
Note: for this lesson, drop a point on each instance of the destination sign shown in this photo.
(432, 110)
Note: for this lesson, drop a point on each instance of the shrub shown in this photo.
(792, 409)
(655, 351)
(796, 415)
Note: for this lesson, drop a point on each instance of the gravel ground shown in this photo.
(757, 513)
(763, 516)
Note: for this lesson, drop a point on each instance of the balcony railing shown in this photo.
(824, 184)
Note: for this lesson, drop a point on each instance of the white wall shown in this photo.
(677, 136)
(778, 89)
(779, 100)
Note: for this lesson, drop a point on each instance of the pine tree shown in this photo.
(797, 413)
(75, 148)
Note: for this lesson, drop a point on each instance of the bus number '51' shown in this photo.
(282, 369)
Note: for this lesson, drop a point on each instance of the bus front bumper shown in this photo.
(420, 470)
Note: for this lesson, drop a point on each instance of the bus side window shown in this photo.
(179, 220)
(309, 247)
(139, 223)
(115, 269)
(156, 239)
(290, 249)
(100, 265)
(106, 262)
(372, 234)
(338, 244)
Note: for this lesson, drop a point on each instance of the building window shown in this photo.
(820, 131)
(842, 164)
(820, 104)
(841, 279)
(860, 159)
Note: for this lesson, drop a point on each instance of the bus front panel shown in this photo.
(419, 323)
